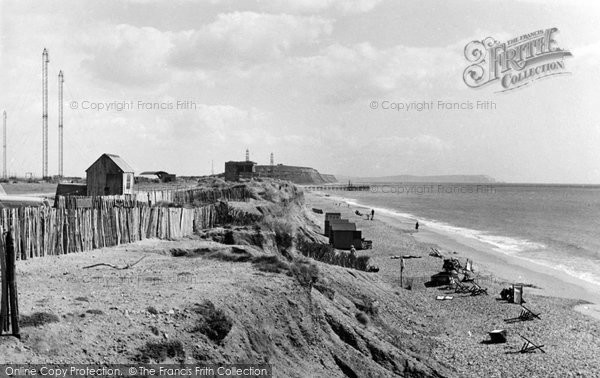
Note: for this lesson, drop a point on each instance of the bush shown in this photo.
(270, 264)
(159, 351)
(213, 322)
(37, 319)
(362, 263)
(228, 238)
(317, 251)
(284, 232)
(362, 318)
(305, 272)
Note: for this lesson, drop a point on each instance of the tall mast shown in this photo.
(4, 145)
(45, 61)
(61, 80)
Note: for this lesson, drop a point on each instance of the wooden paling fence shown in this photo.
(204, 196)
(49, 231)
(196, 197)
(96, 202)
(9, 301)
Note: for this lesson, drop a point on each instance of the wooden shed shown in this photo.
(109, 175)
(328, 218)
(345, 235)
(331, 222)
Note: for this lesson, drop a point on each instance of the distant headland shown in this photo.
(478, 179)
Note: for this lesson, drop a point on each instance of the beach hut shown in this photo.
(345, 235)
(109, 175)
(328, 217)
(332, 222)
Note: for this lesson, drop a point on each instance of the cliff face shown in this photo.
(297, 175)
(329, 178)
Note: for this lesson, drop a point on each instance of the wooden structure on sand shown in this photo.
(9, 301)
(109, 175)
(48, 231)
(343, 234)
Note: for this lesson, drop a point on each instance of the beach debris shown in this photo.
(497, 336)
(525, 315)
(114, 266)
(435, 253)
(444, 298)
(405, 257)
(318, 211)
(529, 346)
(358, 213)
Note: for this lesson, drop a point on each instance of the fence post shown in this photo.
(12, 285)
(4, 319)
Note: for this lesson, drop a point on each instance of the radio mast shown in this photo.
(61, 80)
(45, 61)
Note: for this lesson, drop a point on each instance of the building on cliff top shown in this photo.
(236, 170)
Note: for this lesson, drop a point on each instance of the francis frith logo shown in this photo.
(515, 63)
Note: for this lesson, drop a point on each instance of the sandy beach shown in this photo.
(541, 280)
(569, 325)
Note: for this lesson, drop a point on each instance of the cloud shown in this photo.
(348, 73)
(145, 56)
(247, 38)
(314, 6)
(126, 55)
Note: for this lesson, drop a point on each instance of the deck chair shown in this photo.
(530, 347)
(478, 290)
(459, 287)
(531, 314)
(435, 253)
(525, 315)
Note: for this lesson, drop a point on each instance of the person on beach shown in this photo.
(417, 226)
(372, 213)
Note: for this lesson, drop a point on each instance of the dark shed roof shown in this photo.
(343, 227)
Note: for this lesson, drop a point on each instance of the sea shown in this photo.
(557, 226)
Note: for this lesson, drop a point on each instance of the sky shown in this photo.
(177, 85)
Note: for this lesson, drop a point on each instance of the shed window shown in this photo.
(128, 182)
